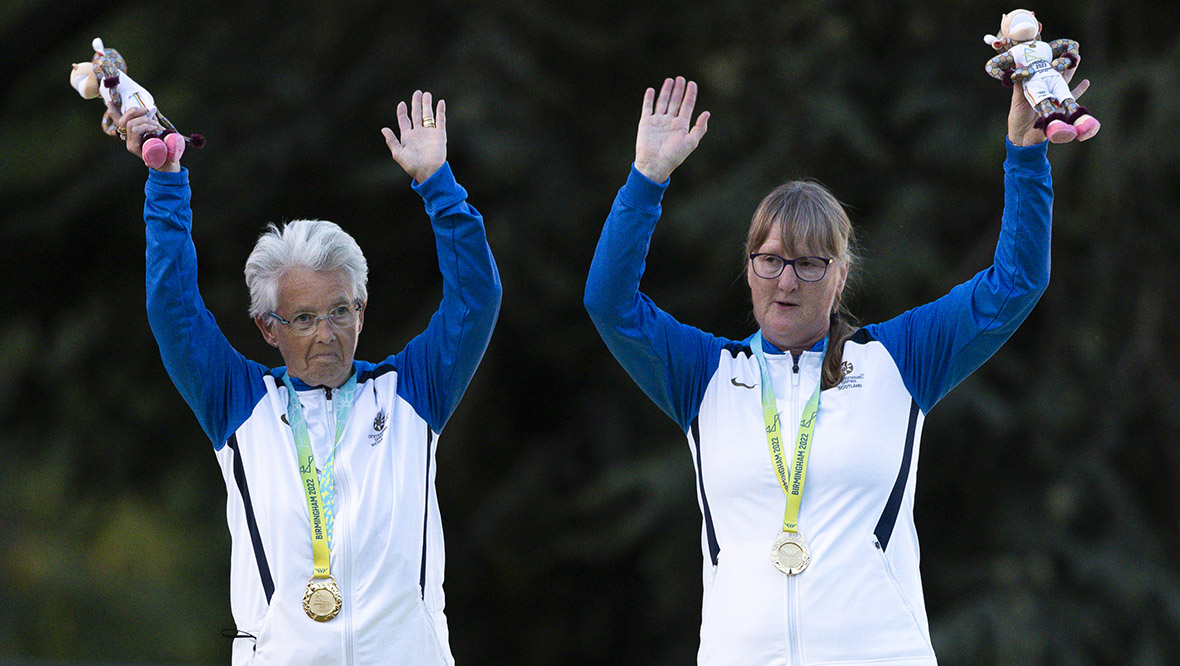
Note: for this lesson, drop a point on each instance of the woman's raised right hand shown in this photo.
(666, 137)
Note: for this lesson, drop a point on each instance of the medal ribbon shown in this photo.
(791, 484)
(319, 506)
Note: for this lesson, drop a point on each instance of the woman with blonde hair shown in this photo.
(804, 436)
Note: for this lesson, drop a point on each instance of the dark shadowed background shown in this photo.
(1048, 502)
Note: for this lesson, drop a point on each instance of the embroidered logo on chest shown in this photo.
(735, 382)
(850, 381)
(378, 434)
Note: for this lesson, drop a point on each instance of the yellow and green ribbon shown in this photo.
(791, 473)
(319, 484)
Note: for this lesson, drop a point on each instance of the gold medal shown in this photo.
(321, 600)
(790, 553)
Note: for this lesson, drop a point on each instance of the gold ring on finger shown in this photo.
(428, 122)
(122, 132)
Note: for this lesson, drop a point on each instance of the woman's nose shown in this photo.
(324, 330)
(787, 280)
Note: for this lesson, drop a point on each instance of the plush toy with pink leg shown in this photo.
(105, 76)
(1038, 65)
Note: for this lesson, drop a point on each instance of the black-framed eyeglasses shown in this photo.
(304, 323)
(808, 269)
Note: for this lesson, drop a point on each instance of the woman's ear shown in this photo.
(268, 333)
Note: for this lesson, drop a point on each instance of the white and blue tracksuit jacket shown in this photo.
(387, 545)
(860, 601)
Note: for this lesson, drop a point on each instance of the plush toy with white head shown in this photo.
(105, 76)
(1038, 66)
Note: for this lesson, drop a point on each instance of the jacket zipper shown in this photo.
(794, 637)
(341, 564)
(330, 421)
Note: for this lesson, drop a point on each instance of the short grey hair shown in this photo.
(316, 244)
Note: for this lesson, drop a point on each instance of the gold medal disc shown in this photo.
(321, 600)
(790, 553)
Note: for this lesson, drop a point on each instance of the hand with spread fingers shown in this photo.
(137, 126)
(666, 134)
(422, 148)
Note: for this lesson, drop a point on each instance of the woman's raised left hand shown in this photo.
(422, 148)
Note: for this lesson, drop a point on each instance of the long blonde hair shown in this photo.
(805, 214)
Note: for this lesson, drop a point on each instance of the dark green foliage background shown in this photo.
(1049, 501)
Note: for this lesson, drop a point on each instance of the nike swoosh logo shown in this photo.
(284, 419)
(735, 382)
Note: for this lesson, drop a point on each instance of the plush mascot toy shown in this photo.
(106, 76)
(1024, 57)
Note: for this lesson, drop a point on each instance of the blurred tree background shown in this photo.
(1049, 500)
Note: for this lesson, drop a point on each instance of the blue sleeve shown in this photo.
(436, 366)
(938, 344)
(217, 382)
(671, 362)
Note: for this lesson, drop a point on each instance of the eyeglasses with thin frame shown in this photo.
(305, 323)
(808, 269)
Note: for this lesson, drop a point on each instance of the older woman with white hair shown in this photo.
(329, 461)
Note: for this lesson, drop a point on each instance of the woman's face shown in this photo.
(324, 357)
(794, 314)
